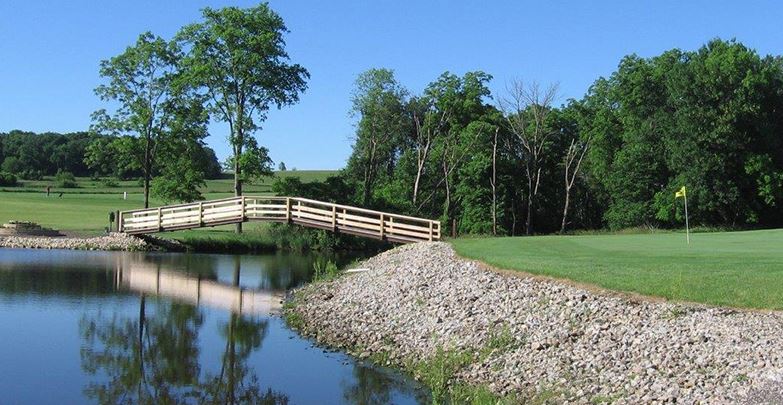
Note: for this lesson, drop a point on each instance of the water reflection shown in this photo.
(144, 360)
(150, 278)
(170, 329)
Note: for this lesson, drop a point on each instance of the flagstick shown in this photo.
(687, 230)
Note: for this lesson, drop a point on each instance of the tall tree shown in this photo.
(379, 102)
(238, 58)
(142, 81)
(578, 145)
(527, 107)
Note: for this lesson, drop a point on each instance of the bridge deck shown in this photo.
(302, 211)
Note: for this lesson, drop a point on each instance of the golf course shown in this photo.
(738, 269)
(84, 210)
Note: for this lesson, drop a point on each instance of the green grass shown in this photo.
(85, 210)
(740, 269)
(224, 185)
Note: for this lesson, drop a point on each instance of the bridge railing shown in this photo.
(306, 212)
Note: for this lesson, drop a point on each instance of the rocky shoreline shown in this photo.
(557, 341)
(111, 241)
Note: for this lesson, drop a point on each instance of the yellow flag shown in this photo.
(680, 193)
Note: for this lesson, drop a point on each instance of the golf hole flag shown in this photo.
(680, 193)
(684, 195)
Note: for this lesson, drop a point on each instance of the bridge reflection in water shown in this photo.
(150, 279)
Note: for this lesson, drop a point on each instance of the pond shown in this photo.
(119, 327)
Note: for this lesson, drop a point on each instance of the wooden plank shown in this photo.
(265, 213)
(420, 235)
(280, 207)
(359, 218)
(357, 224)
(306, 212)
(295, 214)
(304, 208)
(409, 227)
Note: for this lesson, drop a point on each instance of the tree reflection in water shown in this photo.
(145, 360)
(154, 359)
(373, 386)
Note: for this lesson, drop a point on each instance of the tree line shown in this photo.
(516, 163)
(31, 156)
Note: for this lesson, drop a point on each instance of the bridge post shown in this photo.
(334, 218)
(288, 209)
(382, 226)
(200, 213)
(160, 219)
(242, 205)
(430, 231)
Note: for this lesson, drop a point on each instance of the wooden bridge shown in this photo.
(302, 211)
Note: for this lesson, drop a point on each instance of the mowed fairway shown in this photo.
(741, 269)
(85, 210)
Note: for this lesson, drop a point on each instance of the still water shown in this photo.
(116, 327)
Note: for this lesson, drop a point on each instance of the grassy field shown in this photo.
(85, 210)
(741, 269)
(219, 186)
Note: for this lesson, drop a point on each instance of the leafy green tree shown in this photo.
(143, 81)
(238, 58)
(379, 102)
(705, 119)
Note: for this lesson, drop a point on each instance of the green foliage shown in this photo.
(157, 107)
(705, 118)
(11, 164)
(65, 179)
(43, 154)
(7, 179)
(324, 270)
(438, 372)
(378, 100)
(110, 182)
(241, 92)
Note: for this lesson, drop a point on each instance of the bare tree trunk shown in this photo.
(422, 151)
(494, 182)
(565, 210)
(147, 171)
(369, 173)
(530, 197)
(146, 190)
(570, 176)
(447, 205)
(238, 178)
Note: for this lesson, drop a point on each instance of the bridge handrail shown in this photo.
(365, 210)
(303, 211)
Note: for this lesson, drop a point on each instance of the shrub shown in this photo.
(110, 182)
(31, 174)
(324, 270)
(65, 179)
(7, 179)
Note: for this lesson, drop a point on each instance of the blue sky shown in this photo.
(50, 51)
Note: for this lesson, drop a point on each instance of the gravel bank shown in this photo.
(581, 346)
(112, 241)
